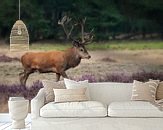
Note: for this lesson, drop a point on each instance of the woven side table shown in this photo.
(18, 110)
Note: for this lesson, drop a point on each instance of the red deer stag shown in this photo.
(57, 61)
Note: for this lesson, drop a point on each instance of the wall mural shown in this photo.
(80, 40)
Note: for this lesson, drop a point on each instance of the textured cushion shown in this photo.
(159, 93)
(144, 91)
(74, 109)
(49, 85)
(70, 95)
(133, 109)
(71, 84)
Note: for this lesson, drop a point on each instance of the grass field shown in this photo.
(112, 45)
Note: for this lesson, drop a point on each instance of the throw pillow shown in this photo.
(70, 95)
(144, 91)
(49, 85)
(159, 93)
(71, 84)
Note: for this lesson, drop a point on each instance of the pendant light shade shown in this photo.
(19, 37)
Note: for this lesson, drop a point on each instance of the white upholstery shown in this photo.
(74, 109)
(37, 103)
(133, 109)
(106, 123)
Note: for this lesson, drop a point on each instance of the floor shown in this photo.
(8, 126)
(5, 122)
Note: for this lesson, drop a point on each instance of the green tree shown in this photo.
(109, 18)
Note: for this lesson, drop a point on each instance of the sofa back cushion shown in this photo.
(108, 92)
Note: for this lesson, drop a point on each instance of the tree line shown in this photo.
(110, 19)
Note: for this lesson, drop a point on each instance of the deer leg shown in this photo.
(21, 77)
(25, 76)
(64, 75)
(20, 74)
(57, 77)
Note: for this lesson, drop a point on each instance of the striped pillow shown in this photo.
(159, 93)
(70, 95)
(144, 91)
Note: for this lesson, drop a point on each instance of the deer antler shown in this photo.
(85, 37)
(62, 22)
(82, 25)
(88, 37)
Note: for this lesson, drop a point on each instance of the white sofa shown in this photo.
(112, 110)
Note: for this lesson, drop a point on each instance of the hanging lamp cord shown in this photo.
(19, 9)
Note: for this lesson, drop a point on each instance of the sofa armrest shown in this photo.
(36, 104)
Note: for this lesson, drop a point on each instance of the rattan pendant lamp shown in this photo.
(19, 37)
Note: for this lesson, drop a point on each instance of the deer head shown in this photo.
(78, 44)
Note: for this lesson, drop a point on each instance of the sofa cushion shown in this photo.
(144, 91)
(70, 95)
(71, 84)
(49, 85)
(159, 93)
(74, 109)
(133, 109)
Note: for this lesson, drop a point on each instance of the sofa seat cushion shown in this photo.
(133, 109)
(74, 109)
